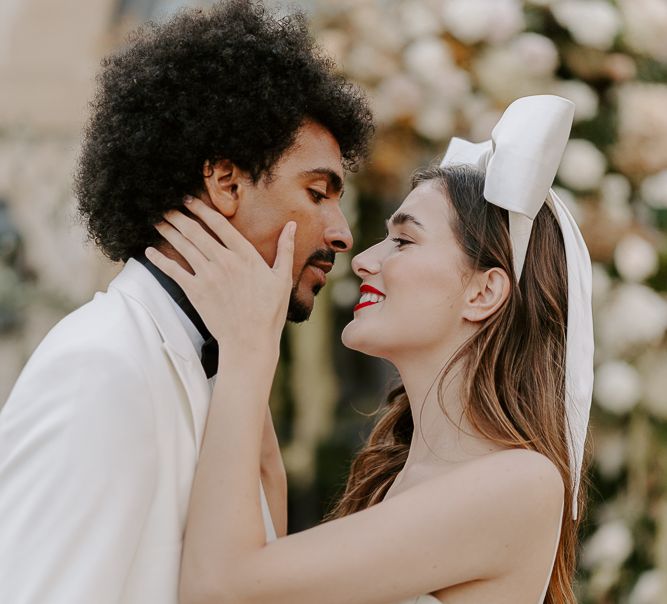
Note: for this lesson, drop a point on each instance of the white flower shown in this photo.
(570, 201)
(539, 53)
(633, 317)
(375, 27)
(654, 190)
(651, 588)
(617, 387)
(592, 23)
(334, 42)
(645, 28)
(611, 451)
(427, 57)
(396, 97)
(452, 86)
(473, 21)
(652, 369)
(616, 190)
(585, 99)
(635, 258)
(582, 166)
(505, 75)
(417, 19)
(480, 116)
(367, 63)
(601, 581)
(608, 547)
(601, 283)
(483, 125)
(435, 122)
(642, 129)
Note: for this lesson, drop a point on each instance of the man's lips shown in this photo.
(321, 269)
(368, 289)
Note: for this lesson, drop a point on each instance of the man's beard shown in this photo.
(297, 310)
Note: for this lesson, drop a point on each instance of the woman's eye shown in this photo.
(400, 242)
(316, 195)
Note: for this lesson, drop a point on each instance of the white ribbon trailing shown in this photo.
(521, 161)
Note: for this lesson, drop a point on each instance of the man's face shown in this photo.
(305, 186)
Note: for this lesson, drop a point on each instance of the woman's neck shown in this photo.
(439, 439)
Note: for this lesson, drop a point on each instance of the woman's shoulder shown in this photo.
(520, 466)
(523, 471)
(521, 486)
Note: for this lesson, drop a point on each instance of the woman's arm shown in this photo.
(473, 523)
(274, 477)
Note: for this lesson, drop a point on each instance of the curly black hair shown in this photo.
(234, 83)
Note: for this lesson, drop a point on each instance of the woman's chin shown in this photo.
(348, 337)
(353, 337)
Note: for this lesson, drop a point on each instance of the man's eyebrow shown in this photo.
(335, 179)
(401, 218)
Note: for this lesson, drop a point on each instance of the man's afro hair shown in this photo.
(233, 82)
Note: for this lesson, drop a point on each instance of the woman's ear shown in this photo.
(222, 182)
(485, 294)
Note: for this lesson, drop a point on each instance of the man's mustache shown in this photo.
(323, 255)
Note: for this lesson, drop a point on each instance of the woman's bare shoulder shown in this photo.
(519, 487)
(513, 483)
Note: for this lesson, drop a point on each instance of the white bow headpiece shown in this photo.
(521, 161)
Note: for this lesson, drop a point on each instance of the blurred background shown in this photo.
(433, 69)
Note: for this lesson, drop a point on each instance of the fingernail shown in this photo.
(150, 251)
(188, 199)
(293, 228)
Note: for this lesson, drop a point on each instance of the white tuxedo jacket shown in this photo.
(98, 445)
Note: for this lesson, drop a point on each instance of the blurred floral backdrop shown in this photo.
(433, 69)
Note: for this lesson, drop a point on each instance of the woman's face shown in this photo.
(412, 290)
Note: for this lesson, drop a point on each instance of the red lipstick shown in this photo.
(367, 289)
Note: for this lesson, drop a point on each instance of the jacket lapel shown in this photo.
(136, 282)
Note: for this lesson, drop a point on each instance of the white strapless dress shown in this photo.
(266, 515)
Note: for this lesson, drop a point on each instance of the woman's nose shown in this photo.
(367, 262)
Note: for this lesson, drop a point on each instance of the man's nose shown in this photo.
(337, 234)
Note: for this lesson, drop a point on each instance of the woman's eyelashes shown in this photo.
(400, 242)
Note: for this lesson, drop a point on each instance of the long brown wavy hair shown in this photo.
(513, 390)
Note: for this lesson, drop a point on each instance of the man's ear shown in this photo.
(223, 182)
(485, 294)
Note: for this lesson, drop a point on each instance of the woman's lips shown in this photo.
(362, 305)
(366, 292)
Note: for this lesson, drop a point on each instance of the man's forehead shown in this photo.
(314, 147)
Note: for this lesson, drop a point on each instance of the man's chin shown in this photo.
(299, 310)
(301, 304)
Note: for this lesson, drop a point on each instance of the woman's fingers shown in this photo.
(285, 254)
(206, 243)
(219, 225)
(194, 257)
(170, 267)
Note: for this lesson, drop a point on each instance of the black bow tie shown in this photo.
(209, 351)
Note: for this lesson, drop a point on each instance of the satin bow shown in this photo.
(520, 162)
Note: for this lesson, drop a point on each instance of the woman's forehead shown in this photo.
(428, 204)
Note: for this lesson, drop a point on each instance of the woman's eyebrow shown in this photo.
(401, 218)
